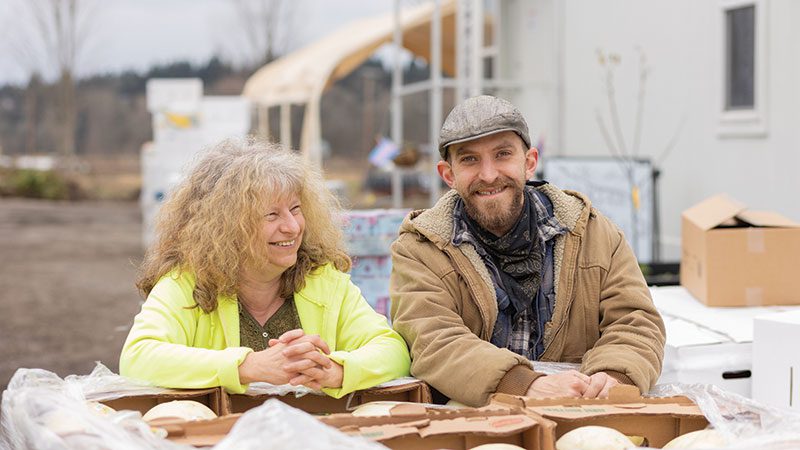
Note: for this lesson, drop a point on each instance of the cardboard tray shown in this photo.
(659, 420)
(415, 427)
(414, 391)
(199, 433)
(410, 426)
(211, 397)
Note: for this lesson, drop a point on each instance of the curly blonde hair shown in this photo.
(210, 224)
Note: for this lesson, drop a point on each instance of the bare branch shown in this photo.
(637, 127)
(672, 141)
(614, 113)
(264, 27)
(57, 33)
(607, 137)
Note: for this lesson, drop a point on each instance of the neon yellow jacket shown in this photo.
(174, 345)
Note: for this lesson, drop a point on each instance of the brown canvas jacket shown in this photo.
(445, 307)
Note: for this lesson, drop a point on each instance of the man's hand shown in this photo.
(599, 385)
(565, 384)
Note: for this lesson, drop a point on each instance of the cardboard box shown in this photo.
(659, 420)
(211, 397)
(403, 390)
(210, 432)
(199, 433)
(410, 426)
(776, 363)
(421, 428)
(733, 256)
(709, 345)
(694, 354)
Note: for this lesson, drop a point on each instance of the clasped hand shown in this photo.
(294, 358)
(572, 383)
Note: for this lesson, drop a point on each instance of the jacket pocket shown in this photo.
(584, 316)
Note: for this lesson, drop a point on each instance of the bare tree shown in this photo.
(614, 137)
(52, 36)
(265, 29)
(26, 57)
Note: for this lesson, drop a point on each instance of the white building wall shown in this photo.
(533, 69)
(683, 43)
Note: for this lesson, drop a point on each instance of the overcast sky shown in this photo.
(134, 34)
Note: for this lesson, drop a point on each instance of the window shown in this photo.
(740, 58)
(743, 70)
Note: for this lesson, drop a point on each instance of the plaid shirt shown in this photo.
(525, 336)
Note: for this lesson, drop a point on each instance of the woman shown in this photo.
(245, 283)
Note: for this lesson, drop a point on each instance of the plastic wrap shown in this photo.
(276, 425)
(100, 385)
(41, 411)
(261, 388)
(549, 368)
(746, 423)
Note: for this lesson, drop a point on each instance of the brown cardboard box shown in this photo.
(452, 429)
(210, 432)
(211, 397)
(415, 391)
(199, 433)
(733, 256)
(410, 426)
(659, 420)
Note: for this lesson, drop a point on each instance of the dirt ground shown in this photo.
(67, 294)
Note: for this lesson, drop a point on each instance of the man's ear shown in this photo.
(531, 160)
(446, 172)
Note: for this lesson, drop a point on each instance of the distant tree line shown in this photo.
(111, 116)
(112, 119)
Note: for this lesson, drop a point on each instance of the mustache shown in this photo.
(480, 186)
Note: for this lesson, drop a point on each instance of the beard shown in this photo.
(495, 215)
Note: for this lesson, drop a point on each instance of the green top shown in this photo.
(255, 336)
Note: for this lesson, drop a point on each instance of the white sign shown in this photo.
(174, 94)
(624, 195)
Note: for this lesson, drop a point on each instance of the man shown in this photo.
(502, 272)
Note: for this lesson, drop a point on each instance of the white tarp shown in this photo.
(301, 76)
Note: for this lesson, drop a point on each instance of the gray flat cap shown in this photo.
(481, 116)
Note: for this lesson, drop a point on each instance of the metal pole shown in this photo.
(560, 21)
(461, 41)
(476, 52)
(435, 96)
(397, 105)
(368, 124)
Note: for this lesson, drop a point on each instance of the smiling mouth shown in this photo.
(488, 192)
(283, 243)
